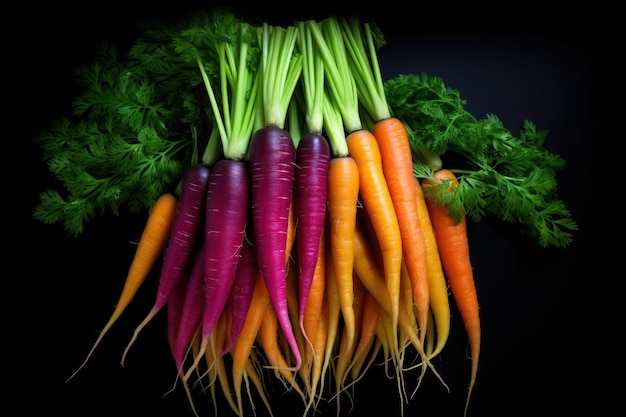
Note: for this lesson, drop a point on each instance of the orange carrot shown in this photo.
(318, 347)
(334, 313)
(367, 342)
(438, 288)
(340, 112)
(346, 352)
(395, 153)
(269, 334)
(153, 240)
(343, 189)
(315, 301)
(242, 349)
(455, 257)
(397, 164)
(370, 275)
(377, 201)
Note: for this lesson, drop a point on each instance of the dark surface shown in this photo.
(536, 304)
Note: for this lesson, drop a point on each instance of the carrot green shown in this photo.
(513, 178)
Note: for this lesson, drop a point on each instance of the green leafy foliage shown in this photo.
(513, 178)
(141, 117)
(122, 148)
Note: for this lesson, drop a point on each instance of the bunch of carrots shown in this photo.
(302, 229)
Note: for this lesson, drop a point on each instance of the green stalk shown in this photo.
(239, 81)
(341, 86)
(312, 78)
(364, 66)
(281, 71)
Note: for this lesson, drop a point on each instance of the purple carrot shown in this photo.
(174, 309)
(272, 170)
(227, 201)
(191, 310)
(311, 181)
(243, 287)
(186, 232)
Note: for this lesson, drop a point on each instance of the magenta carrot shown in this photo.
(243, 287)
(311, 184)
(227, 198)
(272, 157)
(174, 308)
(272, 162)
(182, 242)
(191, 311)
(312, 163)
(226, 216)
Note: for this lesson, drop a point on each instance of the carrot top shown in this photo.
(227, 48)
(312, 78)
(341, 84)
(512, 178)
(281, 69)
(362, 40)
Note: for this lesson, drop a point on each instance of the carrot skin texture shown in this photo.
(191, 313)
(437, 286)
(174, 308)
(453, 246)
(343, 192)
(272, 172)
(185, 233)
(243, 286)
(311, 189)
(377, 201)
(151, 246)
(397, 165)
(242, 350)
(227, 202)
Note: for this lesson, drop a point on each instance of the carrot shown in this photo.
(455, 257)
(272, 158)
(438, 288)
(243, 286)
(241, 351)
(343, 173)
(151, 245)
(368, 272)
(333, 314)
(343, 186)
(395, 151)
(312, 160)
(380, 209)
(269, 334)
(191, 311)
(315, 299)
(174, 308)
(228, 191)
(311, 185)
(319, 341)
(346, 352)
(182, 241)
(315, 326)
(367, 343)
(397, 165)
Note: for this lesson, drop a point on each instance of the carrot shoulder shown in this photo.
(455, 257)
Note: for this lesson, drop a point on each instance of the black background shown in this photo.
(537, 304)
